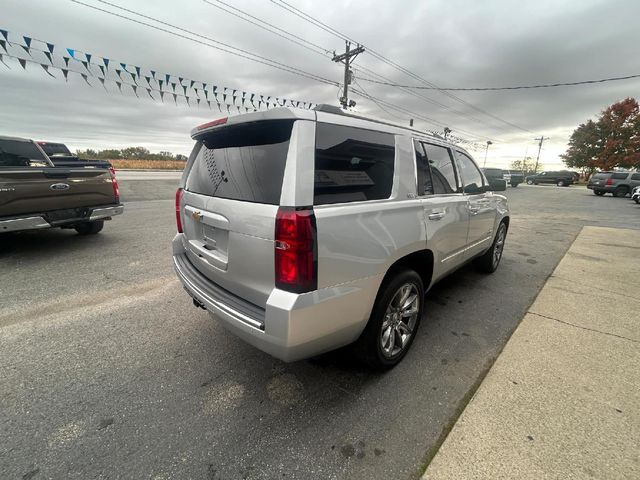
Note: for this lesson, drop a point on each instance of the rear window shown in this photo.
(242, 162)
(352, 164)
(619, 176)
(52, 149)
(15, 153)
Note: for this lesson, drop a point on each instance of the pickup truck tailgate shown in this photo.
(44, 189)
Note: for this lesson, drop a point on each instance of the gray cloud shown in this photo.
(452, 43)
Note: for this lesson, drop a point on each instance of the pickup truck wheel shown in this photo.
(489, 261)
(89, 228)
(637, 200)
(599, 192)
(514, 185)
(529, 182)
(560, 183)
(394, 321)
(620, 192)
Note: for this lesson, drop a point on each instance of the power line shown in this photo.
(226, 47)
(283, 4)
(518, 87)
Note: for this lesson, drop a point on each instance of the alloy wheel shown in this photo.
(498, 247)
(400, 320)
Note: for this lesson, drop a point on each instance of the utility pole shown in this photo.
(489, 142)
(542, 139)
(346, 58)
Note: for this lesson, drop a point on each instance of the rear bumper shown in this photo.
(38, 221)
(291, 326)
(602, 188)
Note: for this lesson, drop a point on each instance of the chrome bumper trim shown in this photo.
(27, 223)
(99, 213)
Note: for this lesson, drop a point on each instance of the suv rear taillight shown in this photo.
(296, 250)
(179, 193)
(114, 184)
(609, 181)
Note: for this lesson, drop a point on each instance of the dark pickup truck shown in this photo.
(61, 156)
(36, 194)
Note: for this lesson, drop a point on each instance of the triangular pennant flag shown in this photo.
(167, 77)
(49, 57)
(238, 109)
(23, 62)
(224, 97)
(180, 80)
(85, 78)
(215, 89)
(66, 61)
(173, 85)
(206, 94)
(161, 95)
(5, 34)
(119, 72)
(106, 62)
(133, 77)
(50, 46)
(46, 69)
(124, 67)
(86, 64)
(261, 98)
(259, 103)
(244, 94)
(197, 94)
(198, 103)
(2, 61)
(215, 94)
(153, 74)
(175, 98)
(26, 49)
(135, 90)
(192, 83)
(102, 82)
(243, 101)
(234, 92)
(148, 79)
(65, 72)
(138, 71)
(218, 103)
(119, 84)
(88, 57)
(3, 44)
(187, 99)
(204, 87)
(160, 82)
(184, 87)
(71, 52)
(209, 103)
(149, 92)
(27, 41)
(101, 69)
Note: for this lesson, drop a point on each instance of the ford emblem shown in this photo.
(59, 186)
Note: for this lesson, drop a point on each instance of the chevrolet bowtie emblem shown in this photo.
(196, 216)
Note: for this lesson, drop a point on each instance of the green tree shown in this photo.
(613, 141)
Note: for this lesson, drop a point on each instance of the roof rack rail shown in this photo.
(323, 107)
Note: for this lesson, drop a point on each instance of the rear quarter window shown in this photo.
(620, 176)
(352, 164)
(242, 162)
(17, 153)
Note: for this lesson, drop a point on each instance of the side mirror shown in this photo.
(497, 184)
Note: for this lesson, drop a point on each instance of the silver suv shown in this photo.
(304, 231)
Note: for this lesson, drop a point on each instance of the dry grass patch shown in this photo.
(148, 164)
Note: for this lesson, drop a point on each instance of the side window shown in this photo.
(471, 177)
(17, 153)
(635, 176)
(352, 164)
(443, 172)
(425, 185)
(619, 176)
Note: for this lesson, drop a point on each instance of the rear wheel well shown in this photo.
(421, 262)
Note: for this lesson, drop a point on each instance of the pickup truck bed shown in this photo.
(35, 194)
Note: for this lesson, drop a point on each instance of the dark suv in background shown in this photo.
(620, 184)
(561, 179)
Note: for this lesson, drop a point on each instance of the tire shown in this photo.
(89, 228)
(599, 192)
(490, 260)
(529, 182)
(620, 192)
(561, 183)
(637, 200)
(377, 346)
(514, 185)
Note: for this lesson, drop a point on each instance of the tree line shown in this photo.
(129, 153)
(612, 141)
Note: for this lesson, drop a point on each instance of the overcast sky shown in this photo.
(449, 43)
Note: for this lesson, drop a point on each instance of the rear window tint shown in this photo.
(16, 153)
(242, 162)
(352, 164)
(619, 176)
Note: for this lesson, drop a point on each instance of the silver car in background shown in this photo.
(305, 231)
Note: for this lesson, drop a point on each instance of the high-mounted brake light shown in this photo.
(114, 184)
(296, 250)
(179, 193)
(220, 121)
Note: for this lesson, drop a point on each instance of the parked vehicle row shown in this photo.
(304, 231)
(619, 184)
(37, 194)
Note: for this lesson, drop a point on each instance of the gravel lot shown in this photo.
(108, 371)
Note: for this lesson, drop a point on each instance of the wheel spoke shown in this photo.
(408, 313)
(392, 340)
(404, 329)
(409, 300)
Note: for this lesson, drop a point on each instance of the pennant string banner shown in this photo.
(190, 88)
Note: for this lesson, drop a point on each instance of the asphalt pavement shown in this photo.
(108, 371)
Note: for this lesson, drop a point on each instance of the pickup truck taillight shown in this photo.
(296, 250)
(179, 193)
(114, 183)
(609, 181)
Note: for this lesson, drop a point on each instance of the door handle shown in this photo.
(474, 210)
(436, 215)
